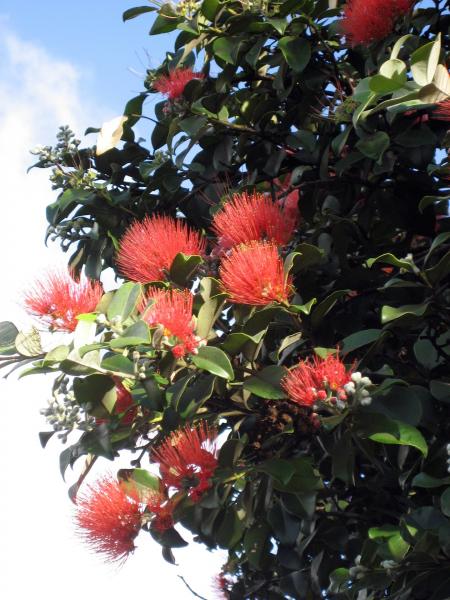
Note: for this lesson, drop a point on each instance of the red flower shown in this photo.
(162, 508)
(172, 85)
(187, 459)
(148, 247)
(108, 518)
(172, 310)
(317, 379)
(220, 586)
(251, 217)
(254, 274)
(441, 111)
(367, 21)
(58, 298)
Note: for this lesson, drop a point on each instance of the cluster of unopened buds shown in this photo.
(187, 8)
(357, 388)
(115, 324)
(63, 413)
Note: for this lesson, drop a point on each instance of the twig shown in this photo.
(190, 589)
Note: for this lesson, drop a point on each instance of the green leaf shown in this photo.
(131, 13)
(56, 355)
(124, 301)
(303, 480)
(266, 384)
(324, 307)
(424, 61)
(359, 339)
(390, 259)
(226, 48)
(383, 430)
(303, 308)
(209, 8)
(296, 51)
(140, 478)
(166, 21)
(208, 314)
(428, 481)
(392, 77)
(96, 392)
(257, 544)
(215, 361)
(230, 452)
(375, 145)
(169, 538)
(230, 530)
(440, 390)
(135, 335)
(280, 469)
(390, 313)
(118, 364)
(183, 268)
(8, 334)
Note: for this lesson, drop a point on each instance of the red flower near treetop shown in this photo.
(172, 310)
(108, 518)
(187, 459)
(254, 274)
(441, 112)
(148, 247)
(58, 298)
(367, 21)
(172, 85)
(248, 217)
(317, 379)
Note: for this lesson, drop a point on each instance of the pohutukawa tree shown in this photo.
(276, 352)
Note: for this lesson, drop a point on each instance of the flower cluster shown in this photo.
(325, 380)
(149, 247)
(254, 274)
(248, 217)
(187, 459)
(173, 84)
(109, 518)
(366, 21)
(171, 311)
(58, 298)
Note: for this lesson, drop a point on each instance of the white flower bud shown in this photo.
(356, 376)
(101, 319)
(365, 393)
(349, 387)
(366, 401)
(116, 320)
(366, 381)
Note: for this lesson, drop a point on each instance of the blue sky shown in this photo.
(91, 35)
(61, 63)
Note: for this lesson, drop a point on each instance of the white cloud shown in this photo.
(41, 558)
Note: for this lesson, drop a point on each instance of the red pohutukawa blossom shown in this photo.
(162, 508)
(172, 85)
(172, 311)
(57, 298)
(317, 379)
(250, 217)
(108, 518)
(220, 586)
(254, 274)
(367, 21)
(187, 459)
(441, 111)
(148, 247)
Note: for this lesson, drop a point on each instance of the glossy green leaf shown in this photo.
(131, 13)
(215, 361)
(296, 51)
(383, 430)
(183, 268)
(266, 384)
(391, 313)
(124, 301)
(424, 61)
